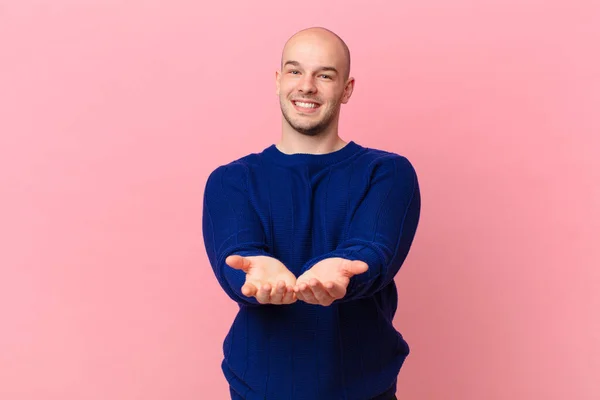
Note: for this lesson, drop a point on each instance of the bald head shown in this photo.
(311, 39)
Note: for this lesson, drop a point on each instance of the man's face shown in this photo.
(312, 84)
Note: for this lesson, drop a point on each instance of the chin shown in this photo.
(308, 133)
(314, 130)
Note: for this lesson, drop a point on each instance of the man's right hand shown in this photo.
(267, 279)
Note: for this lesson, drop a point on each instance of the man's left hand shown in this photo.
(327, 280)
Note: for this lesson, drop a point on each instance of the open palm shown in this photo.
(327, 280)
(267, 279)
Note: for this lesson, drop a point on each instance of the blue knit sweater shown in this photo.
(356, 203)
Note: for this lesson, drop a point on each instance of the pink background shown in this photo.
(113, 113)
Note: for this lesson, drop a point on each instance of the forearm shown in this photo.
(382, 231)
(230, 226)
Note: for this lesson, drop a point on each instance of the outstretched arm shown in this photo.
(236, 245)
(378, 240)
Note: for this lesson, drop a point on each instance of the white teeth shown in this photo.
(305, 105)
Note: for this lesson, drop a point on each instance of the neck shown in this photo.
(293, 142)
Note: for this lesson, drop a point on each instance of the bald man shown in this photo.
(306, 236)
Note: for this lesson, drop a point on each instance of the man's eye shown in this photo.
(294, 72)
(326, 76)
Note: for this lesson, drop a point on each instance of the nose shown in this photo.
(307, 84)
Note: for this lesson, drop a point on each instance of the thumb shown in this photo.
(355, 267)
(238, 262)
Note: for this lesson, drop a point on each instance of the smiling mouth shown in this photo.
(305, 106)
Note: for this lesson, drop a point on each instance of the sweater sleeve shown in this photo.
(231, 225)
(382, 229)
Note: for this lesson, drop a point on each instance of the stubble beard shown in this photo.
(313, 129)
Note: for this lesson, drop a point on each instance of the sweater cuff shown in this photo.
(362, 282)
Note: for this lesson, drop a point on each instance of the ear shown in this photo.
(348, 89)
(277, 81)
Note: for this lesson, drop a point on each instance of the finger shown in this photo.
(335, 290)
(249, 290)
(307, 294)
(278, 293)
(320, 293)
(298, 291)
(354, 268)
(300, 296)
(264, 293)
(238, 262)
(290, 296)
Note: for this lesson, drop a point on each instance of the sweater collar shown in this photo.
(272, 153)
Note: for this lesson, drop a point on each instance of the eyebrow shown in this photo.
(297, 64)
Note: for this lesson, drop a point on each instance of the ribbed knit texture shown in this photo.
(355, 203)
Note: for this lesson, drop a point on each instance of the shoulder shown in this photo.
(379, 161)
(392, 173)
(233, 173)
